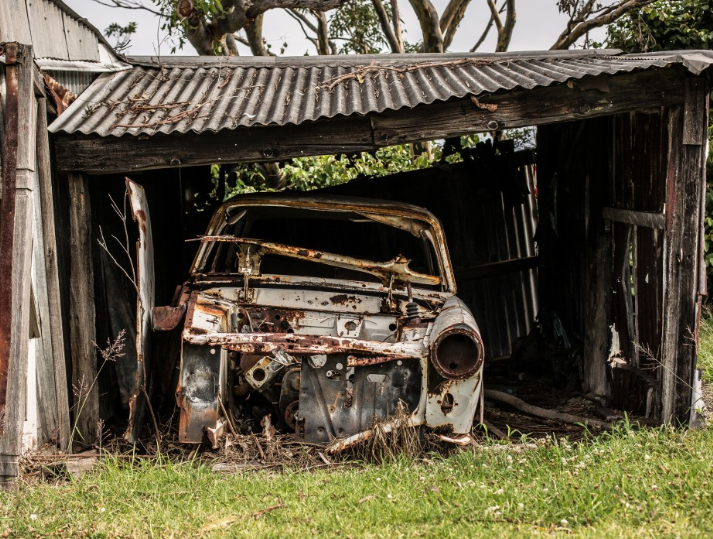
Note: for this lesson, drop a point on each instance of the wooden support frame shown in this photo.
(687, 153)
(82, 326)
(546, 105)
(54, 323)
(15, 409)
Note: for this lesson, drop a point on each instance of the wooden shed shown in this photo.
(620, 181)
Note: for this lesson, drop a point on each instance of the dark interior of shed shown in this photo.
(559, 292)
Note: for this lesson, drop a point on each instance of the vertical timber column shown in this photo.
(687, 167)
(44, 169)
(82, 328)
(17, 201)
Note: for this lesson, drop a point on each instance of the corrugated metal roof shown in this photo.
(212, 94)
(54, 31)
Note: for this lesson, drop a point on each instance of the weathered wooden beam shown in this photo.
(21, 260)
(54, 323)
(681, 289)
(521, 108)
(82, 324)
(545, 105)
(694, 108)
(637, 218)
(126, 154)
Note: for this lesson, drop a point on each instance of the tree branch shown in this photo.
(486, 31)
(580, 26)
(396, 21)
(505, 34)
(322, 33)
(254, 33)
(430, 26)
(495, 15)
(261, 6)
(301, 18)
(450, 32)
(386, 27)
(127, 4)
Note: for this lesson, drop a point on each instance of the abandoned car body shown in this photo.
(328, 314)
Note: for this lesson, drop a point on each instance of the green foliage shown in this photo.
(122, 35)
(307, 173)
(664, 25)
(356, 25)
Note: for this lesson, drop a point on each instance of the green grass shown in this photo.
(650, 482)
(628, 483)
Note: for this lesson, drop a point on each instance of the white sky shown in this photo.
(538, 25)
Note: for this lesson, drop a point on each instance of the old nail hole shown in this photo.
(277, 317)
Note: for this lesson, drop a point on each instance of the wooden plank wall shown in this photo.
(638, 183)
(487, 209)
(682, 249)
(35, 289)
(573, 239)
(11, 438)
(621, 201)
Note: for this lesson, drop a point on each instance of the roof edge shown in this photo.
(351, 59)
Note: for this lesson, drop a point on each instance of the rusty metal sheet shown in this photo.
(7, 214)
(167, 318)
(144, 307)
(337, 401)
(263, 343)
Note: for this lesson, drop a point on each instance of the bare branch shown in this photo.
(430, 26)
(254, 33)
(487, 29)
(128, 4)
(450, 12)
(300, 17)
(450, 32)
(323, 33)
(304, 21)
(505, 35)
(579, 25)
(495, 15)
(231, 45)
(396, 21)
(261, 6)
(386, 27)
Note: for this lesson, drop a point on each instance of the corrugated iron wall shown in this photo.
(489, 213)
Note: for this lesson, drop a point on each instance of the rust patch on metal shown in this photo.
(7, 213)
(167, 318)
(343, 299)
(354, 361)
(62, 97)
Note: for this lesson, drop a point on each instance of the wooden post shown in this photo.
(82, 312)
(688, 128)
(53, 325)
(14, 413)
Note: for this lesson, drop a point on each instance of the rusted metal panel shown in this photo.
(7, 213)
(167, 318)
(202, 95)
(328, 356)
(144, 307)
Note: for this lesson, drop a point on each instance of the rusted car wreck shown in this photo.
(343, 311)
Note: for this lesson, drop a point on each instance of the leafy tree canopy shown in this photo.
(664, 25)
